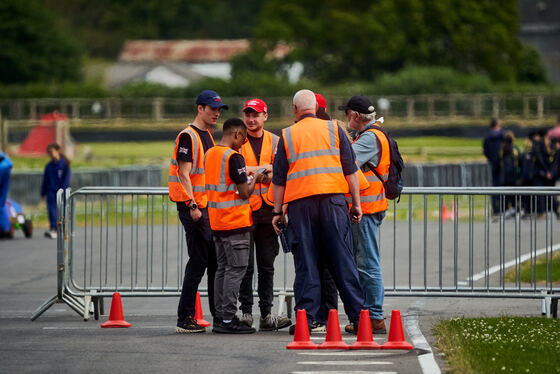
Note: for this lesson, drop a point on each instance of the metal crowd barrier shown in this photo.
(436, 242)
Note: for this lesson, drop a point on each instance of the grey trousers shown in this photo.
(232, 253)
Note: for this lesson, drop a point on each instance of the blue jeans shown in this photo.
(366, 251)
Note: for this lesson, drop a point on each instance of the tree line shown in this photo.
(336, 41)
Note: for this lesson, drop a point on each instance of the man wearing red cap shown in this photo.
(259, 154)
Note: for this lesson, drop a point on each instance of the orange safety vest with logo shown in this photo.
(313, 152)
(373, 199)
(269, 143)
(176, 190)
(226, 210)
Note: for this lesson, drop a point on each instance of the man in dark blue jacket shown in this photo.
(55, 177)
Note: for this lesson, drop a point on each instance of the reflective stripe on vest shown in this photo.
(313, 153)
(268, 149)
(226, 210)
(177, 191)
(373, 199)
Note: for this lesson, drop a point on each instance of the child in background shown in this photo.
(56, 176)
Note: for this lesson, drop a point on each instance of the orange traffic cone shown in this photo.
(444, 213)
(365, 336)
(333, 340)
(396, 333)
(301, 335)
(116, 317)
(199, 318)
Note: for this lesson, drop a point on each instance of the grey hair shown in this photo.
(305, 99)
(366, 117)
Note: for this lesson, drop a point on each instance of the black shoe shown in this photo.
(234, 327)
(216, 322)
(314, 327)
(189, 325)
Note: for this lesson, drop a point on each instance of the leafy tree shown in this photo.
(33, 48)
(340, 40)
(104, 25)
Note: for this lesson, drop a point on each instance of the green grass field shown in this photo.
(108, 154)
(500, 345)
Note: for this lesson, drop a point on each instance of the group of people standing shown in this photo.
(311, 183)
(537, 165)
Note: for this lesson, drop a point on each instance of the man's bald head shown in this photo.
(304, 100)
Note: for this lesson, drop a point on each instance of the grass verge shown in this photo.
(500, 345)
(540, 274)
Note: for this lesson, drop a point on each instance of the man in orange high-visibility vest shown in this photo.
(228, 189)
(187, 189)
(259, 154)
(371, 148)
(313, 168)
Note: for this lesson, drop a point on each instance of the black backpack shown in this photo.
(393, 186)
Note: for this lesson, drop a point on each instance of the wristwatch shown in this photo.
(276, 213)
(193, 206)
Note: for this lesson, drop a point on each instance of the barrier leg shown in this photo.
(95, 301)
(101, 306)
(281, 301)
(554, 308)
(289, 306)
(44, 307)
(548, 304)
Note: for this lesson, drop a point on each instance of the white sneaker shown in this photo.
(51, 234)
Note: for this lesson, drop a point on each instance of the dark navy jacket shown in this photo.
(56, 176)
(492, 145)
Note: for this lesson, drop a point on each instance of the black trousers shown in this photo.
(264, 242)
(202, 256)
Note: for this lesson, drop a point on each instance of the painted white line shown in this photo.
(427, 361)
(344, 372)
(348, 353)
(97, 327)
(351, 338)
(522, 258)
(350, 363)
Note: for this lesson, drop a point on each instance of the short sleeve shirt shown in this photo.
(185, 147)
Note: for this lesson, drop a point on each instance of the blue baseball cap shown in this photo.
(211, 98)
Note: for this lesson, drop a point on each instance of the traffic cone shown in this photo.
(116, 317)
(396, 333)
(333, 340)
(365, 336)
(444, 213)
(198, 317)
(301, 335)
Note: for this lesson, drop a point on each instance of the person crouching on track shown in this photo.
(228, 189)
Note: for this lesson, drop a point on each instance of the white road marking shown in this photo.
(350, 363)
(522, 258)
(348, 353)
(350, 338)
(344, 372)
(427, 361)
(98, 326)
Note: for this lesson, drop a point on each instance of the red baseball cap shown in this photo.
(321, 102)
(257, 105)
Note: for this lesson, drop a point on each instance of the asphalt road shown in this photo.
(60, 341)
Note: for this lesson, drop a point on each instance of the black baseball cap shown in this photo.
(211, 98)
(360, 104)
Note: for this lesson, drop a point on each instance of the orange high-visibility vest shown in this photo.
(226, 210)
(176, 190)
(373, 199)
(269, 143)
(313, 152)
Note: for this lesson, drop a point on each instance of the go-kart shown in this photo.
(14, 219)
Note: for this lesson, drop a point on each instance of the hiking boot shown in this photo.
(51, 234)
(188, 325)
(247, 318)
(234, 327)
(271, 323)
(314, 327)
(378, 326)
